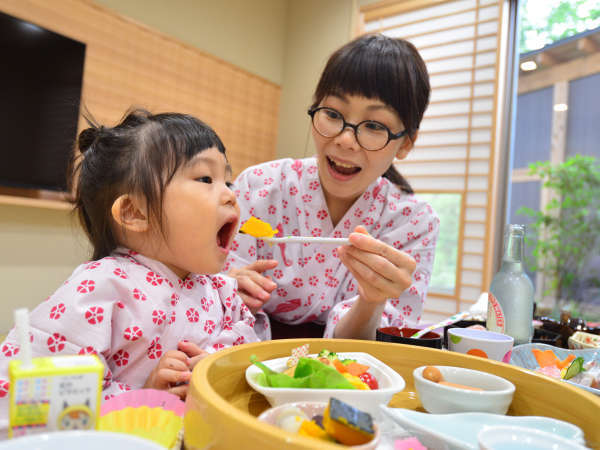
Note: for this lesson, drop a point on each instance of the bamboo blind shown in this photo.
(454, 153)
(128, 64)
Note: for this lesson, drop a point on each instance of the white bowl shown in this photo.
(436, 398)
(390, 382)
(517, 438)
(75, 440)
(311, 409)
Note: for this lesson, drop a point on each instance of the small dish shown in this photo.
(517, 438)
(403, 336)
(522, 356)
(461, 324)
(460, 430)
(390, 382)
(581, 340)
(436, 398)
(312, 409)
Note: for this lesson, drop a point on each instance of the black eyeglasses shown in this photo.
(370, 135)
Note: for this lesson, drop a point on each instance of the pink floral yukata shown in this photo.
(313, 284)
(129, 310)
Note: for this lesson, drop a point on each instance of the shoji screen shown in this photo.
(455, 151)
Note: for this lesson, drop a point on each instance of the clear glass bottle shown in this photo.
(510, 298)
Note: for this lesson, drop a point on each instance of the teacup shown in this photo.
(483, 343)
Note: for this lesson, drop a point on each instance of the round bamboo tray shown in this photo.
(221, 408)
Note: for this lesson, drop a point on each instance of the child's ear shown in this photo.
(130, 212)
(407, 146)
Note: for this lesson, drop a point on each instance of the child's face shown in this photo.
(201, 216)
(360, 167)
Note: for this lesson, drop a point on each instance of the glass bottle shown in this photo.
(510, 298)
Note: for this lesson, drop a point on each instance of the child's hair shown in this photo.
(377, 66)
(139, 156)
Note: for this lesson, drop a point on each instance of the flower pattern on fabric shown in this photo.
(313, 284)
(121, 308)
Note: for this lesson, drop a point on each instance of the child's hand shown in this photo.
(193, 352)
(254, 288)
(381, 271)
(171, 374)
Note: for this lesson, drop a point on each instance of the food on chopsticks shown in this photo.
(571, 368)
(340, 422)
(324, 371)
(257, 228)
(432, 373)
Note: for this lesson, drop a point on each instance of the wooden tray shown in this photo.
(221, 408)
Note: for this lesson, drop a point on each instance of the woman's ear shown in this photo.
(407, 146)
(130, 212)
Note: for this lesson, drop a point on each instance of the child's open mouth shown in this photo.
(225, 234)
(342, 168)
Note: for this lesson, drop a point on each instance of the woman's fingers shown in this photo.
(190, 349)
(370, 279)
(380, 267)
(371, 245)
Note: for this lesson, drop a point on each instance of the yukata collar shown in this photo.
(152, 264)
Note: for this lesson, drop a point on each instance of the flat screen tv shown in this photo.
(40, 93)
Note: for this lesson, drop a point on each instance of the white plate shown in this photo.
(460, 430)
(389, 381)
(522, 356)
(76, 440)
(517, 438)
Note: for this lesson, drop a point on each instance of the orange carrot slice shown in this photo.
(339, 366)
(545, 358)
(565, 362)
(357, 369)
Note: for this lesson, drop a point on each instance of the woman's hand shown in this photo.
(381, 271)
(174, 369)
(254, 288)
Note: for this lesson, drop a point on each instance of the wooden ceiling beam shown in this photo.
(587, 46)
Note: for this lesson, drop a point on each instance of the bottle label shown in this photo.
(495, 315)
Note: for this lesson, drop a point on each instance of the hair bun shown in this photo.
(87, 138)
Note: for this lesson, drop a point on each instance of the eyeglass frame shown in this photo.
(391, 136)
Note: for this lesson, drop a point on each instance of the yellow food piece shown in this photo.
(343, 432)
(311, 429)
(356, 382)
(257, 228)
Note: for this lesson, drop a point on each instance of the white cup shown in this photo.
(483, 343)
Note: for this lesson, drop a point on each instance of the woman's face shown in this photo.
(345, 168)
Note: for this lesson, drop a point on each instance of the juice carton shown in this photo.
(52, 393)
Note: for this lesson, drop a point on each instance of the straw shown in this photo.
(22, 325)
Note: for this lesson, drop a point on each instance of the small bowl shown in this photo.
(482, 343)
(390, 382)
(311, 409)
(402, 336)
(461, 324)
(436, 398)
(516, 438)
(581, 340)
(543, 336)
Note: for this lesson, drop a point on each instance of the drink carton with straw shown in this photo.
(51, 393)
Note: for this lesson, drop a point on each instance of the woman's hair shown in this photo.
(139, 156)
(377, 66)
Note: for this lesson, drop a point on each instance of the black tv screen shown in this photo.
(40, 92)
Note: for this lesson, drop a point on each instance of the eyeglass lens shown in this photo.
(370, 135)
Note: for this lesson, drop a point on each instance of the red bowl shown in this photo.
(402, 336)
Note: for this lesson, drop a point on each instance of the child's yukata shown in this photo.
(312, 283)
(129, 310)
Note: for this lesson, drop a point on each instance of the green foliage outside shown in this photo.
(568, 233)
(447, 207)
(546, 21)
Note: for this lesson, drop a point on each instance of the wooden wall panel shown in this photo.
(128, 64)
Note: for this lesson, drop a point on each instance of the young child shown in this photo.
(154, 198)
(366, 113)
